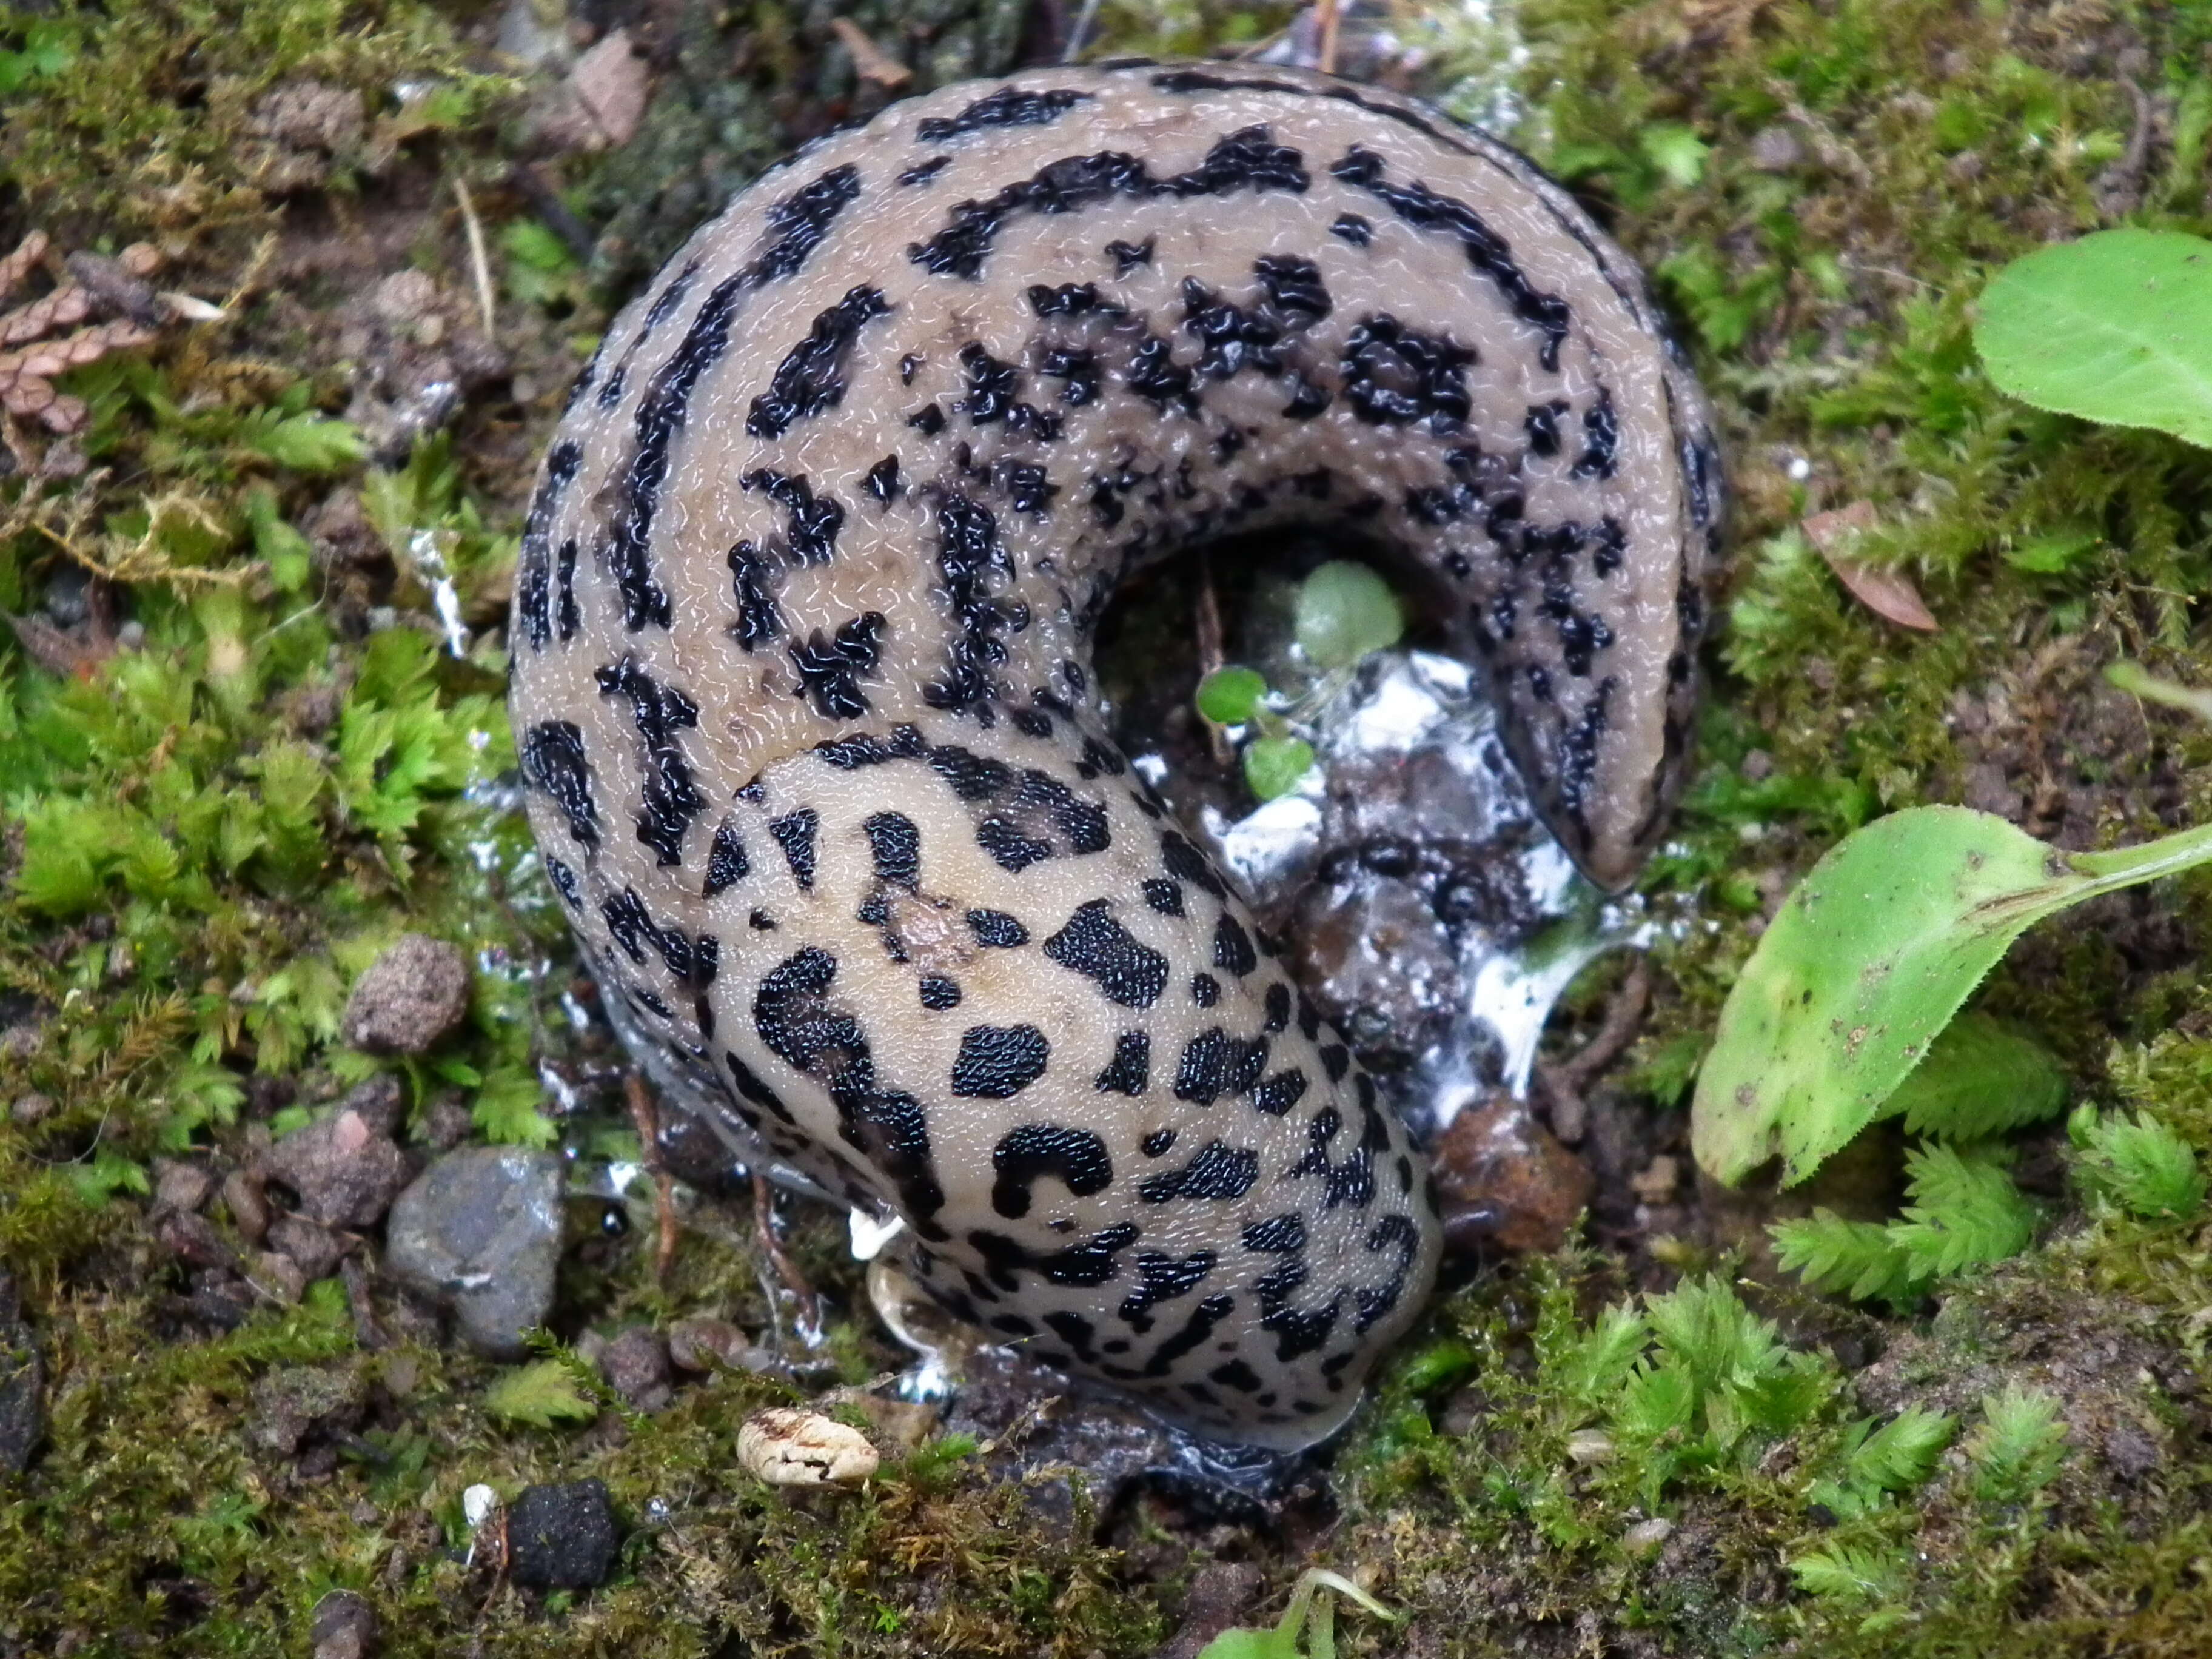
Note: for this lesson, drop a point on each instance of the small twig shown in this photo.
(810, 1313)
(646, 1117)
(1562, 1082)
(1081, 32)
(1325, 59)
(478, 260)
(1211, 651)
(366, 1330)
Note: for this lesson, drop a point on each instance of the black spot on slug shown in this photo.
(1127, 970)
(1076, 1158)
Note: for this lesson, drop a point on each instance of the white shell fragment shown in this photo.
(787, 1447)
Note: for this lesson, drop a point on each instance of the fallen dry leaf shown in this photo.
(870, 61)
(1889, 594)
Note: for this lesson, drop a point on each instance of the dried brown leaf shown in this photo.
(870, 61)
(1889, 594)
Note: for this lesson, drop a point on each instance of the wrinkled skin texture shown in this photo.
(802, 686)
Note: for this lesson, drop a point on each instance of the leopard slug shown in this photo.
(818, 762)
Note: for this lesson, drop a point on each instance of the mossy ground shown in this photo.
(212, 833)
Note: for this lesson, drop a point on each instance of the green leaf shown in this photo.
(108, 1174)
(531, 243)
(290, 555)
(308, 443)
(2019, 1447)
(1865, 965)
(1980, 1079)
(1346, 611)
(1273, 766)
(541, 1393)
(1227, 697)
(1857, 1259)
(2116, 327)
(1308, 1625)
(1966, 1213)
(1902, 1453)
(2139, 1163)
(1841, 1573)
(506, 1112)
(1676, 151)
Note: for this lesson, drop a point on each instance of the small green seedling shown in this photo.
(1308, 1629)
(1868, 962)
(2138, 1164)
(1345, 611)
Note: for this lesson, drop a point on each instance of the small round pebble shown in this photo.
(411, 996)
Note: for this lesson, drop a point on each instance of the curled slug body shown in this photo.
(801, 669)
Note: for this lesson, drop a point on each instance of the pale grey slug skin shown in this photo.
(801, 682)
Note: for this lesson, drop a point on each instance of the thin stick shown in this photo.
(647, 1121)
(1211, 651)
(810, 1313)
(1329, 10)
(1563, 1083)
(1081, 32)
(478, 261)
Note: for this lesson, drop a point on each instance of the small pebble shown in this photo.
(1775, 149)
(345, 1172)
(701, 1344)
(1647, 1535)
(313, 1249)
(1589, 1446)
(480, 1229)
(249, 1210)
(31, 1109)
(635, 1365)
(411, 996)
(787, 1447)
(181, 1186)
(344, 1626)
(22, 1385)
(562, 1537)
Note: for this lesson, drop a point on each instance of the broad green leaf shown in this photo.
(2116, 327)
(1227, 697)
(1273, 766)
(1346, 611)
(1867, 963)
(1980, 1079)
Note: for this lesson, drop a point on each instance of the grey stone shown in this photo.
(411, 996)
(344, 1626)
(562, 1537)
(480, 1231)
(635, 1365)
(314, 1250)
(22, 1385)
(293, 1401)
(344, 1169)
